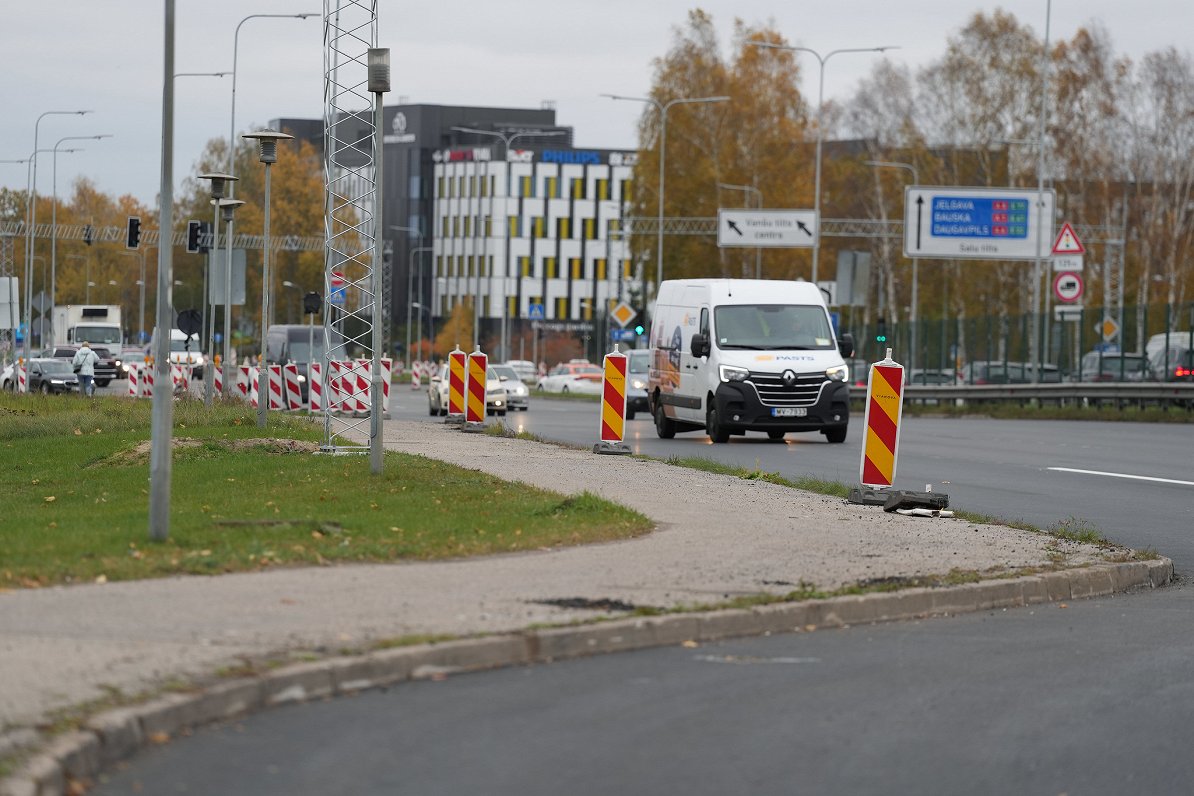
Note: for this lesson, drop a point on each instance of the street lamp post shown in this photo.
(54, 214)
(378, 59)
(410, 304)
(232, 119)
(751, 190)
(31, 214)
(663, 107)
(430, 321)
(821, 59)
(217, 181)
(914, 313)
(292, 286)
(506, 139)
(414, 232)
(268, 155)
(227, 208)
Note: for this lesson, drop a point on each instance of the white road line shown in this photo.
(1122, 475)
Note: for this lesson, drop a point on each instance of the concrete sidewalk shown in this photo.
(718, 537)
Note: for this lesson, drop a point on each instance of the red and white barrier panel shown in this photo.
(22, 378)
(387, 369)
(180, 376)
(315, 386)
(293, 393)
(416, 375)
(246, 384)
(134, 380)
(218, 381)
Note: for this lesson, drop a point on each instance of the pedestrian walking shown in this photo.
(84, 364)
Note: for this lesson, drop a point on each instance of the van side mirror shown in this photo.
(700, 345)
(845, 345)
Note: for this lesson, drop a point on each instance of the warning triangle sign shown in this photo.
(1067, 242)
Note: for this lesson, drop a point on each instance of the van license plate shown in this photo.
(789, 411)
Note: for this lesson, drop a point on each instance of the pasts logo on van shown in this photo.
(784, 358)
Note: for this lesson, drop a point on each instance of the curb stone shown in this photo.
(111, 736)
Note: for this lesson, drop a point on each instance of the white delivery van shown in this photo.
(736, 355)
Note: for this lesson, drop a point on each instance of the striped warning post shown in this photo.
(315, 386)
(387, 369)
(242, 382)
(478, 364)
(217, 380)
(273, 383)
(254, 382)
(613, 397)
(884, 406)
(456, 377)
(145, 389)
(22, 377)
(362, 374)
(134, 370)
(416, 375)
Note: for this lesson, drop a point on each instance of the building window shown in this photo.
(590, 228)
(603, 190)
(563, 228)
(524, 266)
(549, 267)
(578, 188)
(561, 308)
(553, 187)
(577, 268)
(602, 265)
(627, 191)
(526, 185)
(539, 227)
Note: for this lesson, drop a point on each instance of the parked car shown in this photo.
(8, 378)
(46, 375)
(1000, 372)
(573, 376)
(106, 369)
(437, 393)
(287, 344)
(636, 377)
(518, 395)
(1101, 366)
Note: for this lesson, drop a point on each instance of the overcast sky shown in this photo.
(106, 56)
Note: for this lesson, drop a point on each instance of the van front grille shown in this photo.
(805, 390)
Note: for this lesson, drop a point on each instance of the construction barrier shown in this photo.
(884, 407)
(613, 404)
(416, 375)
(180, 376)
(478, 366)
(22, 377)
(456, 377)
(217, 380)
(145, 383)
(134, 379)
(315, 387)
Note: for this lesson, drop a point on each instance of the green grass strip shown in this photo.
(76, 486)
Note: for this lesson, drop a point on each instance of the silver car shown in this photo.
(518, 396)
(437, 393)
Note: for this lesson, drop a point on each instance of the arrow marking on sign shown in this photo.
(734, 227)
(920, 206)
(804, 229)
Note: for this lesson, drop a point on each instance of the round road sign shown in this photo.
(1067, 286)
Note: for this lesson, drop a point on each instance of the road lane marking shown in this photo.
(1122, 475)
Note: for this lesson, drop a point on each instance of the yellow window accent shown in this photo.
(563, 228)
(626, 271)
(577, 268)
(561, 308)
(627, 190)
(578, 188)
(540, 227)
(512, 307)
(602, 190)
(512, 226)
(524, 265)
(549, 267)
(525, 186)
(602, 264)
(590, 229)
(586, 310)
(553, 187)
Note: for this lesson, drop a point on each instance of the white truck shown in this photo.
(98, 324)
(735, 355)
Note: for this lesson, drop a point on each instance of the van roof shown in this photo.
(745, 291)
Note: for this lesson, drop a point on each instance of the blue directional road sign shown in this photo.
(977, 223)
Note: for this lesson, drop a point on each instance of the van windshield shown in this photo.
(300, 351)
(640, 361)
(772, 327)
(102, 335)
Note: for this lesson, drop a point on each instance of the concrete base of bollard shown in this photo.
(612, 448)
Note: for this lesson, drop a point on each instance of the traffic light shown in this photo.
(88, 234)
(312, 303)
(133, 238)
(194, 230)
(881, 330)
(638, 330)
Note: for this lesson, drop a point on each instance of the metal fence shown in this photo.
(948, 344)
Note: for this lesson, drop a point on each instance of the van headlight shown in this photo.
(839, 373)
(733, 374)
(638, 384)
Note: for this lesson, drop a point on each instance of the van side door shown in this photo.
(690, 403)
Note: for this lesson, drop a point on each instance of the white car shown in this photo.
(575, 376)
(437, 393)
(8, 379)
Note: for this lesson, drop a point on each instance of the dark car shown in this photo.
(106, 369)
(295, 343)
(48, 376)
(1000, 372)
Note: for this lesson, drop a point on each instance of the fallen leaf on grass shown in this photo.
(78, 432)
(51, 499)
(101, 579)
(690, 644)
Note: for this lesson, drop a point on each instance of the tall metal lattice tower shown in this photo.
(8, 337)
(350, 223)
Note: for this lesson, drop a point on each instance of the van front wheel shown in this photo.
(714, 428)
(665, 427)
(836, 434)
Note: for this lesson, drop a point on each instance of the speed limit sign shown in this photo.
(1067, 286)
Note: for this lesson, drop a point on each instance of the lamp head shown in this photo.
(269, 144)
(227, 207)
(379, 70)
(218, 180)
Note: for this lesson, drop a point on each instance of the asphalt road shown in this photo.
(1084, 697)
